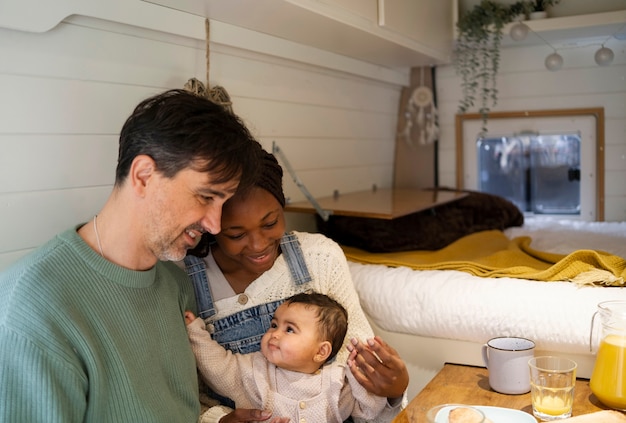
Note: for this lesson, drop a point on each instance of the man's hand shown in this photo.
(243, 415)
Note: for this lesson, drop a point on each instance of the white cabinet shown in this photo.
(394, 33)
(429, 22)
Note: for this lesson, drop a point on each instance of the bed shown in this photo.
(436, 316)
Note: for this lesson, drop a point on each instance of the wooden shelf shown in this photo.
(387, 203)
(570, 28)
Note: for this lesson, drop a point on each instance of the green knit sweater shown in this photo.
(84, 340)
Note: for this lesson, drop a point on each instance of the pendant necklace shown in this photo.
(95, 229)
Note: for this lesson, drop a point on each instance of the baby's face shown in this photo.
(292, 340)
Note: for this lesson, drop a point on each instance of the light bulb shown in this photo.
(518, 31)
(604, 56)
(554, 61)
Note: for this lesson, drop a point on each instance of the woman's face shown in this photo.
(252, 227)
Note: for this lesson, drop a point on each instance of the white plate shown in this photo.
(506, 415)
(495, 414)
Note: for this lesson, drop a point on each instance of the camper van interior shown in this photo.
(359, 96)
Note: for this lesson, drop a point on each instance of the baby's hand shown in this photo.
(189, 317)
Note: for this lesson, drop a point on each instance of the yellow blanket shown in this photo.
(492, 254)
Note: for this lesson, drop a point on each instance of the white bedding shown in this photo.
(458, 306)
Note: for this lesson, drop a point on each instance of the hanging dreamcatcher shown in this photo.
(421, 115)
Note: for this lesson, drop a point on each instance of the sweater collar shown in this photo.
(113, 272)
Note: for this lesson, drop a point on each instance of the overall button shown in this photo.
(243, 299)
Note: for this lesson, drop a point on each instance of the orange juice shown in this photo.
(552, 401)
(608, 380)
(552, 382)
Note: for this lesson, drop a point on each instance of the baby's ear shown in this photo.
(323, 352)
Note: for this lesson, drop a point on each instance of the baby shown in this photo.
(294, 374)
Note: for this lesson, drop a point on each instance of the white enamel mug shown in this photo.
(506, 358)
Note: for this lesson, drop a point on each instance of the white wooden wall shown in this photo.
(66, 91)
(525, 84)
(71, 71)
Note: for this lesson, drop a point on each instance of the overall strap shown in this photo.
(196, 270)
(290, 247)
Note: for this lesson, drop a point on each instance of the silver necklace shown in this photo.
(95, 229)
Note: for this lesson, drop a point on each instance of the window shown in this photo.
(539, 173)
(562, 129)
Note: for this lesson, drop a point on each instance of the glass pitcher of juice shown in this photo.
(608, 380)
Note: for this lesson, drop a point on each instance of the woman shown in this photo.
(251, 266)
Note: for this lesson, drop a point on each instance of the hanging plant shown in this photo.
(542, 5)
(477, 52)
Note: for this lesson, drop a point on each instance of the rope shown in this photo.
(217, 94)
(207, 49)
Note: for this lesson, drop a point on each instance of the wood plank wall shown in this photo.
(66, 93)
(525, 84)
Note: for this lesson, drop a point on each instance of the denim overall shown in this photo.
(242, 332)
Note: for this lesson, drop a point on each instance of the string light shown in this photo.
(604, 56)
(554, 61)
(519, 31)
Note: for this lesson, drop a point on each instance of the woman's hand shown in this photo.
(243, 415)
(378, 367)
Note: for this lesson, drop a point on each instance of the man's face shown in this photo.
(180, 209)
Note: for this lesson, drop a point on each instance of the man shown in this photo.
(91, 324)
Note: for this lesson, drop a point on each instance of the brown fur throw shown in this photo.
(430, 229)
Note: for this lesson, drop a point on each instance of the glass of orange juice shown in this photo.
(552, 381)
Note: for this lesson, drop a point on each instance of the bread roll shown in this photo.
(465, 415)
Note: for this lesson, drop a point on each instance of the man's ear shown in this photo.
(323, 352)
(141, 170)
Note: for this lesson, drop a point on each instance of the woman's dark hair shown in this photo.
(270, 177)
(180, 130)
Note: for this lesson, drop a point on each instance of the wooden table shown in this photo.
(382, 203)
(470, 385)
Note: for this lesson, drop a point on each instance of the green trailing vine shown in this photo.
(477, 50)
